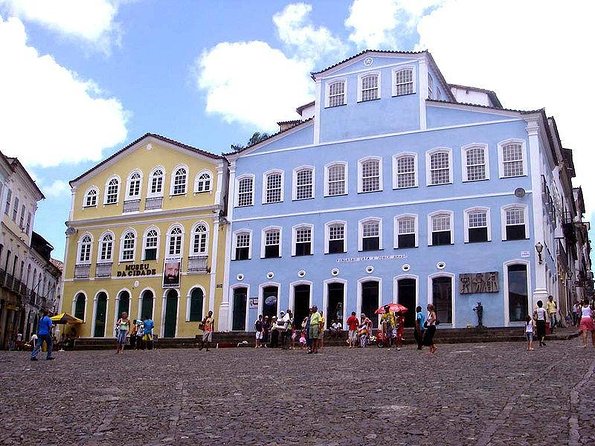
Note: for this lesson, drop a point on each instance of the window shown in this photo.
(22, 217)
(85, 249)
(203, 182)
(336, 238)
(370, 235)
(303, 179)
(151, 240)
(242, 251)
(303, 240)
(336, 94)
(272, 243)
(370, 175)
(156, 182)
(430, 86)
(403, 82)
(476, 163)
(113, 187)
(200, 236)
(28, 222)
(90, 199)
(515, 228)
(406, 232)
(196, 304)
(106, 246)
(405, 168)
(133, 189)
(15, 209)
(273, 187)
(8, 201)
(128, 242)
(245, 191)
(179, 181)
(174, 245)
(512, 159)
(441, 229)
(336, 181)
(439, 168)
(477, 227)
(369, 86)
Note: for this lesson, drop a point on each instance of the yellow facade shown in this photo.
(155, 201)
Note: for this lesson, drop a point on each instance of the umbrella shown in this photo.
(65, 318)
(397, 308)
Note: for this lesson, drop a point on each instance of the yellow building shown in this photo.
(146, 235)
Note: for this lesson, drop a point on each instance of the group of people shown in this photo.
(138, 332)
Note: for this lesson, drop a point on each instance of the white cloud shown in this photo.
(537, 57)
(91, 20)
(252, 83)
(57, 189)
(308, 42)
(48, 114)
(384, 24)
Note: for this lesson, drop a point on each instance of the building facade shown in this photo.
(146, 235)
(29, 281)
(396, 186)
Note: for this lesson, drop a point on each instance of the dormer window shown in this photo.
(336, 94)
(369, 87)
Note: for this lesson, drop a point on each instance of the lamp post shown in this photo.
(539, 249)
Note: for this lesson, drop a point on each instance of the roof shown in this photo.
(491, 94)
(301, 108)
(15, 164)
(364, 52)
(148, 135)
(485, 106)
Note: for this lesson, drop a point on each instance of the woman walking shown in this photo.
(586, 323)
(123, 326)
(431, 328)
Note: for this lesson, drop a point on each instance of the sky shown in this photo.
(80, 79)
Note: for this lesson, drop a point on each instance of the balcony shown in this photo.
(82, 271)
(103, 270)
(198, 265)
(153, 203)
(131, 205)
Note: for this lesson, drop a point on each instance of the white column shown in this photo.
(318, 104)
(422, 91)
(224, 314)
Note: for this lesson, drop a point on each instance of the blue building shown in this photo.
(396, 186)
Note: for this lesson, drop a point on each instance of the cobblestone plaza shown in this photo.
(465, 394)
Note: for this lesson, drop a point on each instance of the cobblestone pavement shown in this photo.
(465, 394)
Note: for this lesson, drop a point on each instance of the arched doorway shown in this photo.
(518, 292)
(240, 299)
(171, 314)
(123, 303)
(79, 306)
(406, 295)
(301, 303)
(335, 303)
(146, 309)
(370, 300)
(270, 298)
(100, 314)
(442, 298)
(195, 313)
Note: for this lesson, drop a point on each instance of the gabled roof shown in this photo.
(491, 94)
(191, 149)
(15, 165)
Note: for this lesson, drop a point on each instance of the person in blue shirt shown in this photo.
(148, 325)
(419, 327)
(44, 333)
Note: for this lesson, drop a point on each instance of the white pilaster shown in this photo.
(422, 91)
(224, 313)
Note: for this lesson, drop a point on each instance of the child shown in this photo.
(529, 328)
(400, 330)
(303, 339)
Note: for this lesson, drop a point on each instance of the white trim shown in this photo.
(93, 321)
(88, 191)
(360, 78)
(149, 183)
(327, 89)
(164, 311)
(144, 245)
(503, 210)
(127, 195)
(235, 239)
(79, 245)
(197, 179)
(263, 241)
(295, 185)
(329, 73)
(360, 163)
(396, 229)
(168, 240)
(486, 155)
(140, 303)
(99, 247)
(261, 288)
(326, 178)
(404, 276)
(117, 305)
(501, 145)
(327, 226)
(189, 299)
(294, 237)
(106, 194)
(173, 179)
(394, 72)
(430, 297)
(73, 307)
(506, 306)
(466, 213)
(429, 154)
(121, 250)
(265, 176)
(207, 233)
(430, 226)
(395, 159)
(325, 285)
(232, 288)
(236, 197)
(358, 305)
(291, 303)
(360, 232)
(317, 111)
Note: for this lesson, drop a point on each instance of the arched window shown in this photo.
(203, 182)
(133, 189)
(199, 239)
(156, 182)
(106, 246)
(196, 305)
(174, 244)
(151, 244)
(85, 249)
(113, 188)
(179, 181)
(128, 242)
(90, 198)
(146, 306)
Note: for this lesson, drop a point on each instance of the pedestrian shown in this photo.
(133, 330)
(123, 327)
(258, 326)
(529, 329)
(306, 325)
(289, 332)
(274, 333)
(148, 326)
(418, 332)
(33, 341)
(586, 323)
(44, 333)
(364, 330)
(540, 316)
(266, 331)
(576, 314)
(389, 325)
(552, 312)
(352, 323)
(430, 323)
(140, 331)
(303, 341)
(315, 324)
(321, 331)
(400, 320)
(207, 331)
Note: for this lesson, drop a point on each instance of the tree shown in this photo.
(254, 139)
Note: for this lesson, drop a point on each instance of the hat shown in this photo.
(283, 312)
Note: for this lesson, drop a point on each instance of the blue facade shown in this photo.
(428, 196)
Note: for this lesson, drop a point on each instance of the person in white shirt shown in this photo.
(540, 316)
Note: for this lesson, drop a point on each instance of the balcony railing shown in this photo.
(198, 264)
(132, 205)
(153, 203)
(103, 270)
(82, 271)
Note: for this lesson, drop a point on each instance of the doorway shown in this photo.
(240, 299)
(370, 303)
(100, 314)
(335, 303)
(171, 314)
(406, 293)
(147, 305)
(442, 298)
(270, 297)
(301, 303)
(123, 303)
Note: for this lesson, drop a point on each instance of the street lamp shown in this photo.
(539, 249)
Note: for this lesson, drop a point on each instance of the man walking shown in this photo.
(44, 333)
(207, 331)
(552, 312)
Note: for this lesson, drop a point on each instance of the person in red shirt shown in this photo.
(352, 323)
(400, 330)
